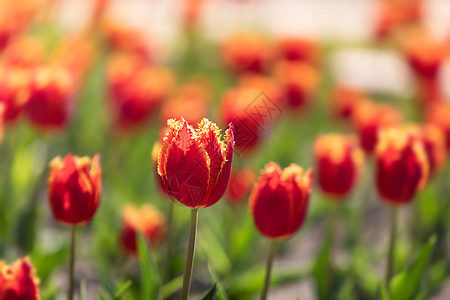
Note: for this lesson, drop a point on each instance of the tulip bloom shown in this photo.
(14, 91)
(299, 49)
(18, 281)
(241, 181)
(439, 114)
(402, 166)
(195, 164)
(369, 118)
(74, 188)
(51, 92)
(339, 162)
(146, 221)
(344, 100)
(25, 52)
(279, 200)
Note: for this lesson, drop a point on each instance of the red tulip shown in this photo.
(402, 166)
(241, 181)
(344, 100)
(439, 115)
(25, 52)
(14, 91)
(195, 164)
(18, 281)
(74, 188)
(299, 49)
(146, 221)
(279, 200)
(51, 92)
(369, 118)
(339, 162)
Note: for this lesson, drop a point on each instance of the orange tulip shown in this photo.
(339, 163)
(191, 10)
(14, 91)
(369, 118)
(439, 115)
(74, 188)
(402, 166)
(18, 281)
(241, 181)
(243, 52)
(344, 100)
(299, 49)
(50, 104)
(195, 164)
(25, 52)
(299, 82)
(279, 200)
(146, 221)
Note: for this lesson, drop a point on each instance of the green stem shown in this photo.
(190, 255)
(72, 264)
(392, 239)
(273, 249)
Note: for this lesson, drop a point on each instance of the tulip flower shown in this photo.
(51, 92)
(25, 52)
(299, 49)
(344, 100)
(18, 281)
(279, 204)
(299, 82)
(339, 162)
(74, 188)
(195, 167)
(401, 170)
(14, 91)
(247, 52)
(438, 114)
(241, 181)
(369, 118)
(146, 221)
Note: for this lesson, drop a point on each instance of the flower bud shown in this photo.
(18, 281)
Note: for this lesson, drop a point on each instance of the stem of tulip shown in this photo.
(72, 264)
(190, 255)
(273, 250)
(392, 239)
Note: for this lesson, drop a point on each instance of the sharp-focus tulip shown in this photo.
(191, 100)
(299, 49)
(247, 52)
(299, 82)
(146, 221)
(241, 181)
(50, 103)
(339, 162)
(279, 200)
(401, 166)
(195, 164)
(14, 91)
(18, 281)
(344, 100)
(439, 115)
(369, 118)
(74, 188)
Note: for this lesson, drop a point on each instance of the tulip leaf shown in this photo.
(405, 284)
(149, 272)
(221, 293)
(171, 287)
(322, 269)
(384, 294)
(122, 289)
(211, 295)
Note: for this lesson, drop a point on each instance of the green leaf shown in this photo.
(322, 269)
(405, 284)
(221, 293)
(122, 289)
(171, 287)
(214, 250)
(384, 295)
(149, 272)
(211, 295)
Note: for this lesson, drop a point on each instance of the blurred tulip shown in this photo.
(50, 103)
(241, 181)
(191, 11)
(339, 163)
(369, 118)
(243, 52)
(120, 70)
(15, 15)
(344, 100)
(190, 100)
(299, 82)
(401, 166)
(299, 49)
(279, 200)
(74, 188)
(195, 164)
(14, 91)
(128, 39)
(18, 281)
(25, 52)
(146, 221)
(439, 115)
